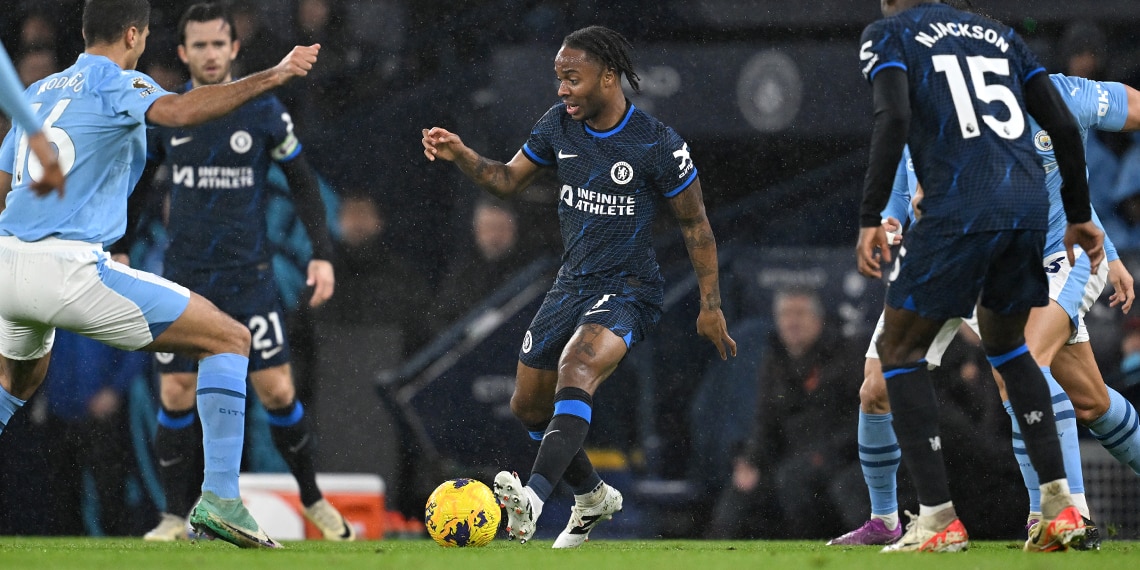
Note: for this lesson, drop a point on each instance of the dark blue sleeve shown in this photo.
(537, 146)
(880, 48)
(674, 170)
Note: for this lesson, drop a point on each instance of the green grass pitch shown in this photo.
(129, 554)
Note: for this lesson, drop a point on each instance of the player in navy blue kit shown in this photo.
(956, 87)
(55, 273)
(614, 162)
(219, 248)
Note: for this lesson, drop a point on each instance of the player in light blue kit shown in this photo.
(1056, 335)
(13, 104)
(54, 272)
(616, 163)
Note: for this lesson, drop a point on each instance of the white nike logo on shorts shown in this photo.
(177, 141)
(597, 311)
(267, 354)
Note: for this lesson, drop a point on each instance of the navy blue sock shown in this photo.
(1033, 407)
(580, 475)
(914, 408)
(294, 441)
(563, 439)
(178, 452)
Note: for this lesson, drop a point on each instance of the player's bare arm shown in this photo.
(1122, 286)
(689, 209)
(52, 178)
(501, 180)
(209, 102)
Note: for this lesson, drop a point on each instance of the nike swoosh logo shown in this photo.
(550, 432)
(169, 462)
(564, 155)
(176, 141)
(1074, 91)
(597, 311)
(267, 354)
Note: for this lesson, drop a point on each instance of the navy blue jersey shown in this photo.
(218, 189)
(611, 181)
(969, 133)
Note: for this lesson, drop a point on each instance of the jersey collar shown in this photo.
(615, 129)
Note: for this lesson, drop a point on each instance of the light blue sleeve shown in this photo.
(12, 96)
(1110, 253)
(1101, 105)
(132, 93)
(898, 207)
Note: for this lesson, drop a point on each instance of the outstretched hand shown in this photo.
(711, 325)
(870, 240)
(441, 143)
(298, 63)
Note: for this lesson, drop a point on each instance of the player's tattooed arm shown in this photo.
(499, 179)
(689, 209)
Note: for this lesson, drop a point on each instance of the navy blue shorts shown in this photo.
(562, 313)
(944, 276)
(250, 296)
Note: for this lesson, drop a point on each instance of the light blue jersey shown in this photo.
(899, 206)
(1096, 105)
(11, 95)
(94, 112)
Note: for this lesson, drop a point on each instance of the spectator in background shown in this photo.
(375, 285)
(36, 64)
(473, 275)
(802, 453)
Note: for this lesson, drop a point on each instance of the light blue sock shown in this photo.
(1066, 419)
(8, 406)
(221, 407)
(1118, 430)
(879, 457)
(1028, 473)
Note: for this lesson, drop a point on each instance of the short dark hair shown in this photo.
(206, 12)
(104, 21)
(608, 47)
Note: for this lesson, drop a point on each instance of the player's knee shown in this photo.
(177, 393)
(236, 337)
(1089, 409)
(530, 412)
(873, 396)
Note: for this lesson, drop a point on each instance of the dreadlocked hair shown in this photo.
(609, 47)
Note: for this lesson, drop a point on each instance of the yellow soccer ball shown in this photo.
(462, 512)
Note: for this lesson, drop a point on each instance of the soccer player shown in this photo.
(219, 249)
(614, 162)
(13, 104)
(1056, 336)
(54, 272)
(979, 242)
